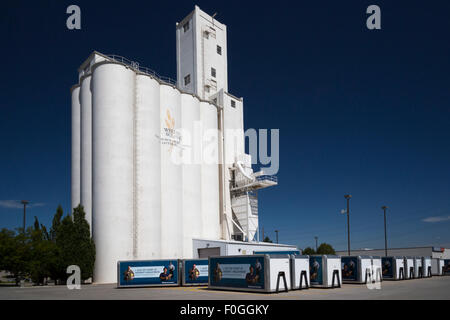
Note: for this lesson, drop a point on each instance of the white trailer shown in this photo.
(300, 272)
(377, 269)
(426, 267)
(253, 273)
(418, 270)
(393, 268)
(356, 269)
(437, 266)
(325, 271)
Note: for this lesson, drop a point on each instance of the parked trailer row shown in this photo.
(276, 272)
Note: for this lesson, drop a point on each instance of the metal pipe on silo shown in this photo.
(86, 147)
(76, 148)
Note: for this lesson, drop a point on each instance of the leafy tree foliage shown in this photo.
(309, 251)
(39, 254)
(325, 248)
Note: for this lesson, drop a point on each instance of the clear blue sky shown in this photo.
(361, 112)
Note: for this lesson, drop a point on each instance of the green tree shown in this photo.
(75, 245)
(86, 246)
(42, 253)
(57, 269)
(326, 248)
(267, 239)
(15, 253)
(309, 251)
(56, 222)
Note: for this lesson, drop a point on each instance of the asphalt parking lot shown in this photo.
(429, 288)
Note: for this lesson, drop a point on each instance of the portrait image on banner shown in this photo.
(349, 268)
(446, 267)
(239, 272)
(387, 265)
(315, 270)
(196, 271)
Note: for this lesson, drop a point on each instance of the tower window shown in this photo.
(187, 79)
(186, 26)
(213, 72)
(219, 50)
(233, 103)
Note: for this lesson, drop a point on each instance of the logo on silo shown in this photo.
(169, 135)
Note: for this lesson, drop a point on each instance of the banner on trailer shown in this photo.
(290, 252)
(447, 267)
(388, 267)
(349, 268)
(315, 270)
(237, 272)
(196, 271)
(147, 273)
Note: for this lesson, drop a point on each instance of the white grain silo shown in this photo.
(132, 132)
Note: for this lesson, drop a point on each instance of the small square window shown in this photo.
(219, 50)
(187, 79)
(233, 103)
(213, 72)
(186, 26)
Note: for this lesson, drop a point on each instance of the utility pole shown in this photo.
(276, 231)
(263, 234)
(348, 197)
(24, 202)
(316, 242)
(385, 234)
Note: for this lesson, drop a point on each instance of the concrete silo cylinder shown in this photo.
(112, 175)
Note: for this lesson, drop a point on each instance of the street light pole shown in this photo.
(385, 234)
(24, 202)
(348, 196)
(316, 242)
(276, 231)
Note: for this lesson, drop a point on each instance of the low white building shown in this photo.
(434, 252)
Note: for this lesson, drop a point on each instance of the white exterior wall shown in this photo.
(210, 174)
(86, 147)
(191, 173)
(417, 265)
(377, 272)
(171, 183)
(366, 263)
(299, 264)
(330, 265)
(197, 54)
(413, 252)
(233, 248)
(409, 263)
(399, 263)
(76, 148)
(426, 263)
(113, 101)
(277, 265)
(148, 164)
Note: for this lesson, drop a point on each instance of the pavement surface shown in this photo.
(428, 288)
